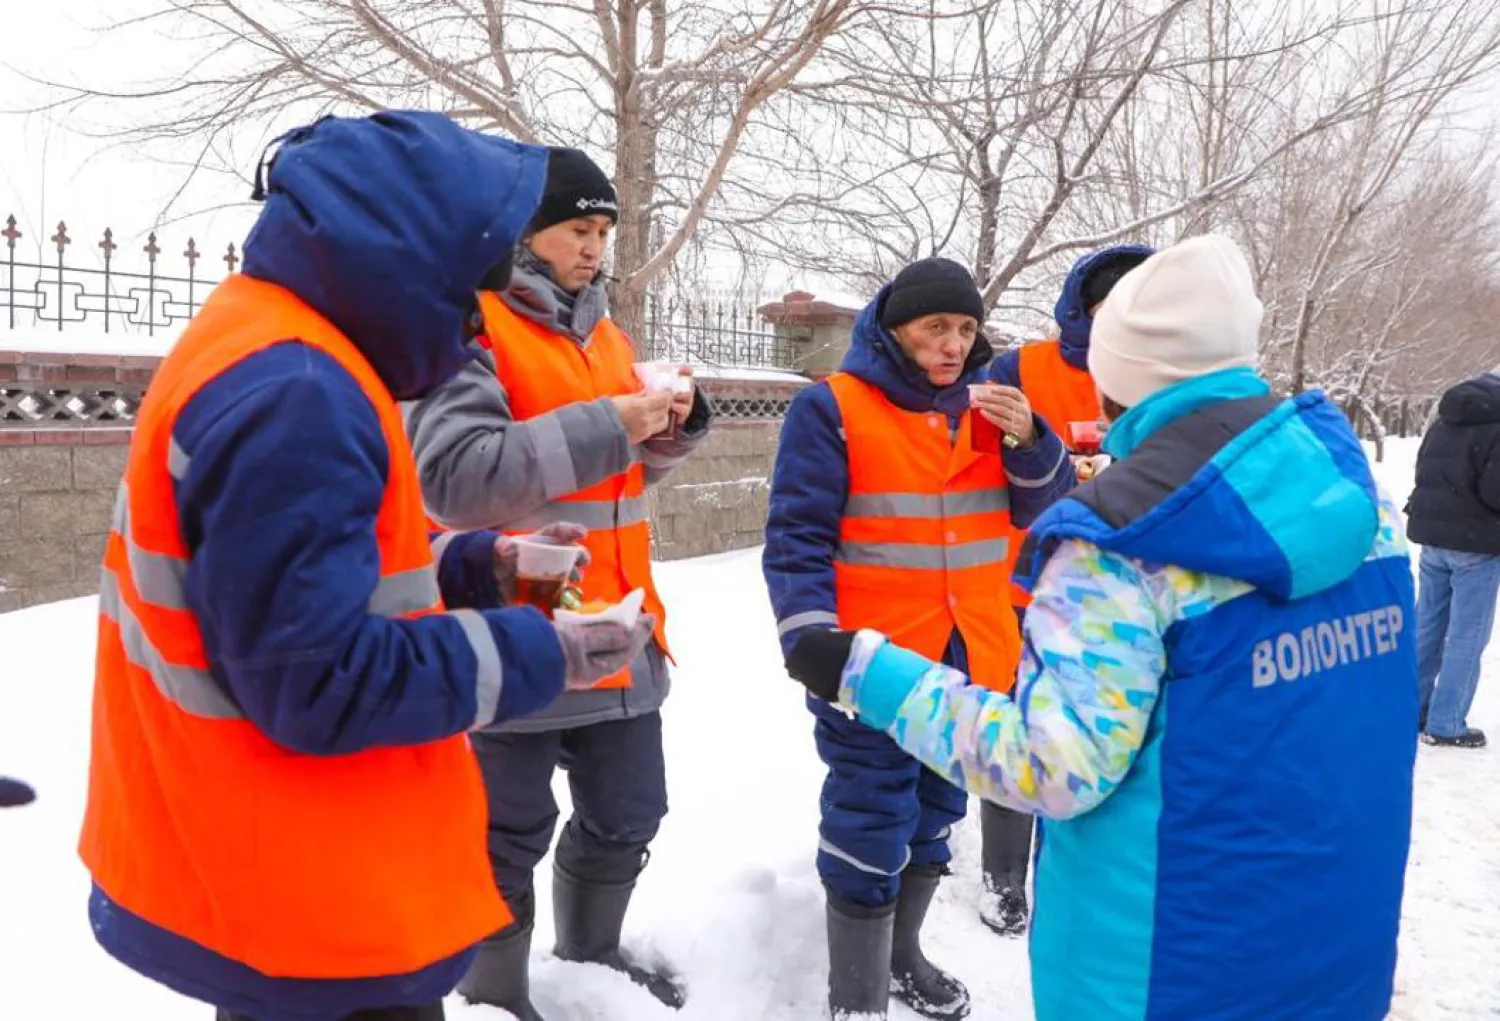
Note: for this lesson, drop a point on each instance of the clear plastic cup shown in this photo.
(543, 569)
(545, 561)
(985, 435)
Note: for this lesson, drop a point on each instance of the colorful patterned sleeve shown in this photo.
(1088, 680)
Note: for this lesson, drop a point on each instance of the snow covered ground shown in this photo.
(731, 896)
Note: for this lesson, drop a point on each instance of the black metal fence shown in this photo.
(715, 334)
(153, 290)
(141, 295)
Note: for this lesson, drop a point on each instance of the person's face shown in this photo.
(1111, 410)
(573, 249)
(939, 344)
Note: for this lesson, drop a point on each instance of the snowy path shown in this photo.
(731, 896)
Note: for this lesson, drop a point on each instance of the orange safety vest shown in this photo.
(923, 544)
(1060, 394)
(543, 371)
(1057, 391)
(302, 866)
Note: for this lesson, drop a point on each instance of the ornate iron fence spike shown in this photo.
(61, 239)
(152, 249)
(10, 234)
(192, 253)
(108, 245)
(230, 258)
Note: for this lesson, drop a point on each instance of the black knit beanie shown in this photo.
(1102, 279)
(929, 287)
(576, 187)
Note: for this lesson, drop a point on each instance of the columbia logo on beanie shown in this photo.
(576, 187)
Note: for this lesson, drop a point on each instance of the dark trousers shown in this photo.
(619, 786)
(431, 1012)
(881, 810)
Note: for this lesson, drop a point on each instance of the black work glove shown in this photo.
(817, 661)
(14, 793)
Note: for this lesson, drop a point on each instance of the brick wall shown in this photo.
(57, 488)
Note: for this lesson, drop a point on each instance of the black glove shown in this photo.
(817, 661)
(14, 793)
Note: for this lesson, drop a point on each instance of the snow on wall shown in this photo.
(48, 339)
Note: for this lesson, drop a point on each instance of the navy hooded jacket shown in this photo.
(811, 481)
(385, 226)
(1072, 315)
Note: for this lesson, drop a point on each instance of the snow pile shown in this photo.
(75, 339)
(748, 375)
(731, 897)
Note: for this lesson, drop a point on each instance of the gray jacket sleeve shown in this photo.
(480, 468)
(660, 454)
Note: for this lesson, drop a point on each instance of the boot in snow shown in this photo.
(859, 960)
(915, 981)
(589, 918)
(1006, 839)
(499, 975)
(1472, 737)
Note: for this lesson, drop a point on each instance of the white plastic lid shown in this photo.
(627, 611)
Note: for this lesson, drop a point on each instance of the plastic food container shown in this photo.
(627, 611)
(663, 377)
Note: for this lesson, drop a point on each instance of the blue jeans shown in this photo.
(1455, 614)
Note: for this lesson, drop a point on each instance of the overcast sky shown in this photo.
(51, 172)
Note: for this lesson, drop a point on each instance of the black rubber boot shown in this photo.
(915, 981)
(499, 976)
(859, 960)
(1006, 839)
(589, 919)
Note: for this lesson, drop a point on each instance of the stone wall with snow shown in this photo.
(65, 420)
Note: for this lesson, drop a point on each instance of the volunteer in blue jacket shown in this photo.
(1216, 714)
(884, 511)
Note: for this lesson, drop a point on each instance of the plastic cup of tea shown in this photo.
(545, 561)
(1084, 437)
(985, 435)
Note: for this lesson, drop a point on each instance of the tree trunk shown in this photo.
(634, 180)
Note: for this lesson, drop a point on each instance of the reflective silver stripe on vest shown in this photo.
(397, 595)
(838, 852)
(923, 557)
(177, 460)
(595, 515)
(192, 690)
(489, 676)
(159, 578)
(927, 506)
(805, 619)
(440, 546)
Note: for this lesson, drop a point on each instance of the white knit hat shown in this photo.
(1187, 311)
